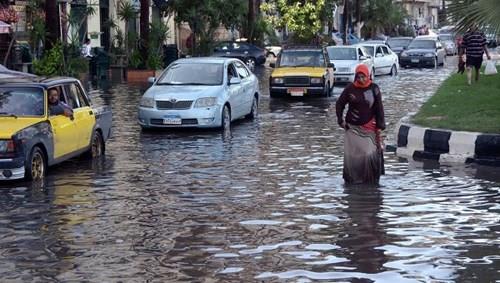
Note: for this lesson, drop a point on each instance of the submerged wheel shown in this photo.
(97, 147)
(36, 165)
(255, 109)
(226, 118)
(250, 63)
(394, 70)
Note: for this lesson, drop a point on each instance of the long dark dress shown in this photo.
(363, 155)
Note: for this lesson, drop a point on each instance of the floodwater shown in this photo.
(265, 203)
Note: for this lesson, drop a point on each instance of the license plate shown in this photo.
(414, 60)
(296, 91)
(172, 121)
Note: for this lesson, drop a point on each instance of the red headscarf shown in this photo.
(362, 69)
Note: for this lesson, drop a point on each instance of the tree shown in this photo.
(301, 17)
(483, 13)
(144, 29)
(205, 16)
(126, 13)
(51, 23)
(382, 16)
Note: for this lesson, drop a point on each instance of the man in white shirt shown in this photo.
(86, 49)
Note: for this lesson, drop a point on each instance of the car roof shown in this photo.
(400, 37)
(371, 44)
(206, 60)
(345, 46)
(34, 81)
(426, 37)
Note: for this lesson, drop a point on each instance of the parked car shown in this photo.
(302, 71)
(384, 60)
(346, 58)
(31, 139)
(250, 54)
(351, 38)
(448, 41)
(491, 40)
(399, 44)
(423, 51)
(222, 90)
(273, 50)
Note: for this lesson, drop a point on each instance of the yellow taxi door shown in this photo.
(83, 114)
(65, 135)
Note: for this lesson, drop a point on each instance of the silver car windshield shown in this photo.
(342, 53)
(19, 101)
(193, 74)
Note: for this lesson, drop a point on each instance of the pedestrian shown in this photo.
(86, 49)
(474, 46)
(363, 123)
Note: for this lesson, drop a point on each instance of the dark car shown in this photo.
(399, 44)
(423, 51)
(250, 54)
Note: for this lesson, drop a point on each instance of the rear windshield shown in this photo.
(342, 53)
(394, 43)
(302, 58)
(422, 44)
(21, 102)
(193, 74)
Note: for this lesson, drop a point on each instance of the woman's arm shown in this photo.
(379, 109)
(340, 106)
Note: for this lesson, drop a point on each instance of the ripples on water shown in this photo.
(266, 203)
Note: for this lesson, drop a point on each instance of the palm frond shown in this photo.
(483, 13)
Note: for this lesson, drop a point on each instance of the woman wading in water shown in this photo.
(363, 149)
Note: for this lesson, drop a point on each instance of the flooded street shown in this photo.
(264, 204)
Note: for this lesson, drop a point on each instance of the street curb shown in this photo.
(446, 146)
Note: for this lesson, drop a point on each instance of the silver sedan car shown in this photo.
(200, 92)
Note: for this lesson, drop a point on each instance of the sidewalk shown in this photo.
(447, 146)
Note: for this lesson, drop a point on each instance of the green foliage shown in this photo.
(52, 63)
(458, 106)
(205, 16)
(154, 61)
(135, 60)
(77, 65)
(382, 16)
(302, 18)
(483, 13)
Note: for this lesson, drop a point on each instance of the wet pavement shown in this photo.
(265, 203)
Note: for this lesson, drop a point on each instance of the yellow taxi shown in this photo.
(33, 137)
(302, 71)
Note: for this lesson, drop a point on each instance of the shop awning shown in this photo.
(4, 27)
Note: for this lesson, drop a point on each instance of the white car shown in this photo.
(200, 92)
(346, 59)
(273, 50)
(385, 61)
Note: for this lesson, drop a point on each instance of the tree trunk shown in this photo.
(250, 20)
(144, 29)
(345, 21)
(51, 23)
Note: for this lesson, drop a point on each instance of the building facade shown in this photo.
(422, 12)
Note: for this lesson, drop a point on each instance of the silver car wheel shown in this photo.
(250, 63)
(226, 119)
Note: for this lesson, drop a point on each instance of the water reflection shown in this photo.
(364, 236)
(263, 203)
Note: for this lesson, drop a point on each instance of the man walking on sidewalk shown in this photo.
(474, 43)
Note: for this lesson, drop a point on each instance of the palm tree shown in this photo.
(144, 29)
(126, 13)
(483, 13)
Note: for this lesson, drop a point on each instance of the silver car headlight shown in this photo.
(205, 102)
(316, 80)
(278, 80)
(429, 55)
(404, 54)
(147, 102)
